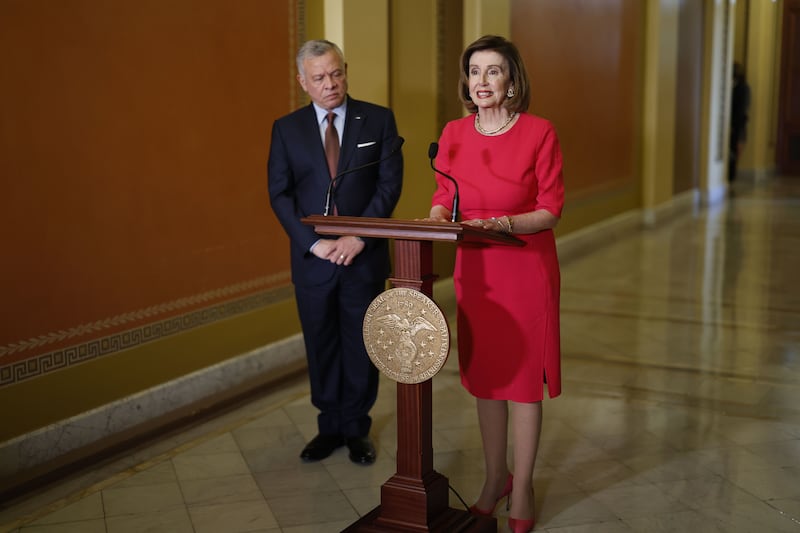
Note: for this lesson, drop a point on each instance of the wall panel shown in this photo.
(689, 99)
(133, 145)
(584, 61)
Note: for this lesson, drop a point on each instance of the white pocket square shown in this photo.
(363, 145)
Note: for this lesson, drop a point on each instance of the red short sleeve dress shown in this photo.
(507, 297)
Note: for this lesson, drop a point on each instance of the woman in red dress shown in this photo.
(508, 166)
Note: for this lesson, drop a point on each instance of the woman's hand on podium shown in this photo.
(501, 225)
(439, 213)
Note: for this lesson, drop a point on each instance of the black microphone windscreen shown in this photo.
(433, 149)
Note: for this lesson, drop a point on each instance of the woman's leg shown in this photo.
(493, 420)
(526, 420)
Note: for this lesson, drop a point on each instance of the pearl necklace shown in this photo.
(506, 123)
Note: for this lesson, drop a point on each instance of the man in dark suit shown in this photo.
(335, 279)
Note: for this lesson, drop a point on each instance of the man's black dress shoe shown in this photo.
(362, 450)
(321, 447)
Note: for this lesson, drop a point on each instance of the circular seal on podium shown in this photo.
(406, 335)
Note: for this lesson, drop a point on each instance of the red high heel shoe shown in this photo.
(506, 492)
(520, 525)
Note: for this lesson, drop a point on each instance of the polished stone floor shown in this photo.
(680, 412)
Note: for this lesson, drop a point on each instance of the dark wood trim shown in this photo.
(407, 229)
(788, 146)
(416, 497)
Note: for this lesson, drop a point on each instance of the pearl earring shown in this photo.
(510, 92)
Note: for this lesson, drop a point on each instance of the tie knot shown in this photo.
(331, 118)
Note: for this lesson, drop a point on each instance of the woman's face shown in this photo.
(488, 79)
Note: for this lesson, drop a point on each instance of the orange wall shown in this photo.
(584, 62)
(133, 148)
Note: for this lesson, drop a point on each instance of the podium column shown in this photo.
(416, 497)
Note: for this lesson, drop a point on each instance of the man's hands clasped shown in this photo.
(340, 251)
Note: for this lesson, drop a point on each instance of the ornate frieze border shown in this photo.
(79, 353)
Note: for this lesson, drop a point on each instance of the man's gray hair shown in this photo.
(316, 48)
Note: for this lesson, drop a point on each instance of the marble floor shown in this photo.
(680, 411)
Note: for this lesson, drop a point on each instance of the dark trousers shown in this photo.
(344, 382)
(733, 157)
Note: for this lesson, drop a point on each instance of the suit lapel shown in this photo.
(355, 120)
(309, 129)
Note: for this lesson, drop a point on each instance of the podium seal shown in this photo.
(406, 335)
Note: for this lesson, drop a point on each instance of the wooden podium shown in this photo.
(416, 497)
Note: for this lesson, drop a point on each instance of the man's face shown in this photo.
(324, 78)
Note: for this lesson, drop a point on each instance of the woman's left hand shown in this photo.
(477, 222)
(492, 224)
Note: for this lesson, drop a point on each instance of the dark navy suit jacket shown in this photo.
(298, 180)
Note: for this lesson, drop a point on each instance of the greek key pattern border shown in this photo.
(80, 353)
(140, 314)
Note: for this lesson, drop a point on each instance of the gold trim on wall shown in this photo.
(297, 35)
(52, 361)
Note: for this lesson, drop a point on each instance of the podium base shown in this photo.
(449, 521)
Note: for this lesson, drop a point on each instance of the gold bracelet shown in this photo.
(510, 224)
(500, 225)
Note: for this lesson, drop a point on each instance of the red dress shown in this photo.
(508, 297)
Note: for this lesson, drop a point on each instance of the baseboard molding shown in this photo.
(578, 243)
(52, 451)
(667, 211)
(585, 240)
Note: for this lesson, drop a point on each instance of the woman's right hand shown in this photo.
(439, 213)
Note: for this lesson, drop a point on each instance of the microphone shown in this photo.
(432, 151)
(396, 144)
